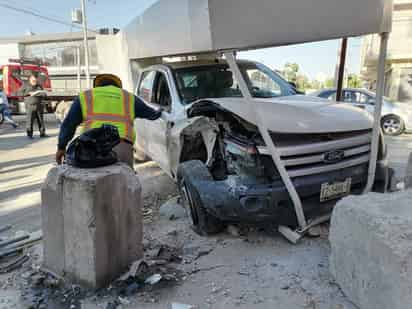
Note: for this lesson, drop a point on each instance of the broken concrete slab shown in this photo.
(172, 210)
(92, 223)
(371, 242)
(408, 173)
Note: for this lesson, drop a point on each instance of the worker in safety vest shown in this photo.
(106, 103)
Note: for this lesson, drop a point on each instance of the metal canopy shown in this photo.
(176, 27)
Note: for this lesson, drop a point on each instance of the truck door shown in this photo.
(161, 98)
(155, 132)
(144, 92)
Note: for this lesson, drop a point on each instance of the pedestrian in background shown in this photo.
(4, 108)
(33, 96)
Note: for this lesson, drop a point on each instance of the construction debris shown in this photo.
(13, 263)
(172, 209)
(5, 243)
(153, 279)
(5, 228)
(181, 306)
(12, 249)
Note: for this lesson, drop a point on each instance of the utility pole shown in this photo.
(86, 44)
(341, 70)
(79, 81)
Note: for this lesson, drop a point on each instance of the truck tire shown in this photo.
(202, 222)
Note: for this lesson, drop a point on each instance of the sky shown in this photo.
(315, 59)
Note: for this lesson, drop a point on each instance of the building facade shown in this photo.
(398, 82)
(63, 52)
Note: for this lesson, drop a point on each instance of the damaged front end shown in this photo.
(244, 184)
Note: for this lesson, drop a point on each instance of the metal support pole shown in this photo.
(341, 72)
(380, 84)
(86, 44)
(79, 81)
(230, 57)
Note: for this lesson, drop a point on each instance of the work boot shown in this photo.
(30, 134)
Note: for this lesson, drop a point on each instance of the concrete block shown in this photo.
(92, 222)
(371, 249)
(408, 173)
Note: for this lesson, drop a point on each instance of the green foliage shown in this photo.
(329, 83)
(292, 74)
(290, 71)
(354, 81)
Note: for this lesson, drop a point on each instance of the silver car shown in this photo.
(396, 116)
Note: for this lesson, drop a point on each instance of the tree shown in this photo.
(354, 81)
(302, 82)
(290, 71)
(330, 83)
(316, 84)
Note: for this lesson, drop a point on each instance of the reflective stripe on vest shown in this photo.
(122, 120)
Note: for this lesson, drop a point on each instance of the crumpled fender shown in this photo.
(189, 127)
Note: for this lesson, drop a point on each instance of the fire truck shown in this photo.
(17, 72)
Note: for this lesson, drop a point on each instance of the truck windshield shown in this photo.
(217, 81)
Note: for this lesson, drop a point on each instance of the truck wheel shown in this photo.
(202, 222)
(392, 125)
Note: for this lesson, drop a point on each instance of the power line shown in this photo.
(51, 19)
(37, 11)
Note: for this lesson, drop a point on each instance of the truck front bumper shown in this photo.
(238, 200)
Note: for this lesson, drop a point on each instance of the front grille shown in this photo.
(304, 154)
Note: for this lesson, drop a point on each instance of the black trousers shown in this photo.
(35, 113)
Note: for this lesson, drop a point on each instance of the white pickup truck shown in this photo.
(209, 142)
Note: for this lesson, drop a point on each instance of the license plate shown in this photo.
(331, 191)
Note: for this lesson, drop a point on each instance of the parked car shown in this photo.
(396, 116)
(210, 144)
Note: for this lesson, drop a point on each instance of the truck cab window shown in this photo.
(161, 92)
(262, 85)
(146, 84)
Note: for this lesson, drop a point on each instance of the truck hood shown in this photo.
(300, 114)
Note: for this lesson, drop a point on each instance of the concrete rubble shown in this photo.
(92, 222)
(172, 209)
(371, 241)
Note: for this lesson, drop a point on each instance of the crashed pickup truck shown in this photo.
(210, 144)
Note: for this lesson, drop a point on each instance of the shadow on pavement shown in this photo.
(27, 163)
(22, 189)
(20, 141)
(27, 219)
(11, 179)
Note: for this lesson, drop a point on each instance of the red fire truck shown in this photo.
(17, 72)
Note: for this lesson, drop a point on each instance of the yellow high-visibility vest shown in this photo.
(109, 105)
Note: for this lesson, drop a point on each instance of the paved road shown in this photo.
(399, 149)
(24, 164)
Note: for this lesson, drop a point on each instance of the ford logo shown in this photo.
(333, 156)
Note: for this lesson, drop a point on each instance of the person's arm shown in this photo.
(144, 111)
(68, 128)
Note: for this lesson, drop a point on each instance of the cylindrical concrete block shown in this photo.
(92, 222)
